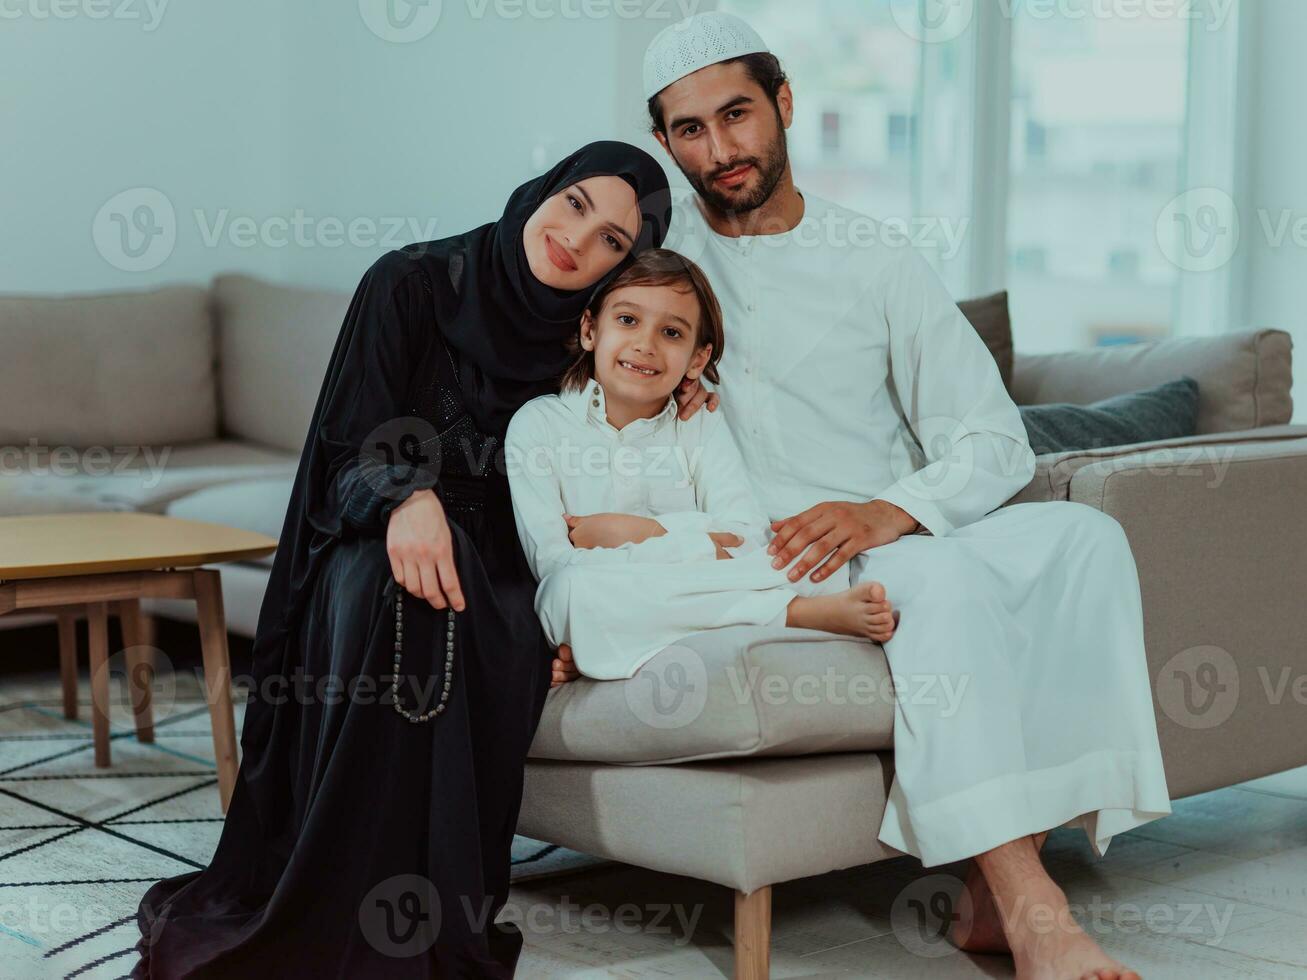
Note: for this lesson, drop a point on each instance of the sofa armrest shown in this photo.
(1055, 471)
(1220, 542)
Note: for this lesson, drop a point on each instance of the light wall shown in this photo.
(260, 113)
(247, 118)
(1275, 293)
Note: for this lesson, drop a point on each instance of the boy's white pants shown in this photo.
(616, 616)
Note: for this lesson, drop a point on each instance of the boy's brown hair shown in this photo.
(654, 267)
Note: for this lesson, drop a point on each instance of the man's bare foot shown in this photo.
(978, 928)
(860, 611)
(1035, 926)
(564, 669)
(1048, 944)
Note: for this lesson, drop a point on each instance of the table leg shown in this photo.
(97, 622)
(217, 677)
(139, 657)
(68, 659)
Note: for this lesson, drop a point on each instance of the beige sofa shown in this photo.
(742, 756)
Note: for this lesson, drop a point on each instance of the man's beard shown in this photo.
(770, 170)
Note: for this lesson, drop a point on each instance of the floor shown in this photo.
(79, 845)
(1217, 889)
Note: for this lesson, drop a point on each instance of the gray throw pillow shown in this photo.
(1165, 412)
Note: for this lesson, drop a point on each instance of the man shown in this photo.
(877, 431)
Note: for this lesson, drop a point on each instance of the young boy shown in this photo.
(673, 539)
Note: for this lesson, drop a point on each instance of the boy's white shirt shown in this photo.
(563, 456)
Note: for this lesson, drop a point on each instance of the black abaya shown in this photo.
(359, 843)
(338, 806)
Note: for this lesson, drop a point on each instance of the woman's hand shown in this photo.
(690, 395)
(724, 540)
(610, 530)
(421, 550)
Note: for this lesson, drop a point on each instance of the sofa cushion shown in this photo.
(733, 691)
(990, 316)
(1055, 471)
(143, 478)
(253, 505)
(95, 369)
(744, 826)
(1168, 411)
(1244, 379)
(274, 345)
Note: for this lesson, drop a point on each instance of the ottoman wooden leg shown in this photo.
(753, 934)
(68, 659)
(140, 666)
(97, 622)
(217, 677)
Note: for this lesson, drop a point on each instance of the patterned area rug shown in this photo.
(80, 845)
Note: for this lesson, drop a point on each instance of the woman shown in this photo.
(370, 828)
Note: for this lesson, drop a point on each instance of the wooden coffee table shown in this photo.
(69, 563)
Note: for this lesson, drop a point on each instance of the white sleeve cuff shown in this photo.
(685, 520)
(921, 509)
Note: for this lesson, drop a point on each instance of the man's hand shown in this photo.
(724, 540)
(690, 395)
(610, 530)
(421, 550)
(839, 529)
(564, 669)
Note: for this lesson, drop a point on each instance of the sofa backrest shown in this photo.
(107, 369)
(1244, 379)
(274, 346)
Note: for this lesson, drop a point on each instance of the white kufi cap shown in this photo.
(694, 43)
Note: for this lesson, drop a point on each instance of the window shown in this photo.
(830, 133)
(901, 134)
(854, 74)
(1107, 96)
(1045, 140)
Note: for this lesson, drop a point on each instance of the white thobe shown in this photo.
(617, 607)
(850, 374)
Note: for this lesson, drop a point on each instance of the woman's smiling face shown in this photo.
(579, 234)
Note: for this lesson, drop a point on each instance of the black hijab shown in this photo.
(509, 327)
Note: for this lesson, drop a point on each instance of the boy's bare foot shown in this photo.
(564, 669)
(860, 611)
